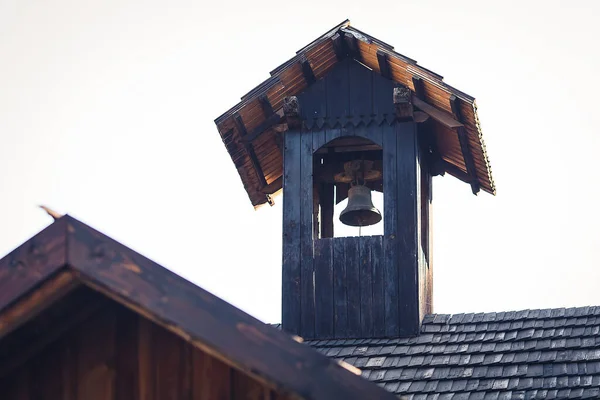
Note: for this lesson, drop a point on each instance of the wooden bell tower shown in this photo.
(370, 286)
(348, 99)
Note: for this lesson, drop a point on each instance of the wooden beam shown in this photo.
(464, 145)
(349, 148)
(266, 106)
(456, 172)
(326, 200)
(307, 72)
(352, 46)
(384, 66)
(36, 301)
(419, 87)
(31, 263)
(338, 46)
(440, 116)
(274, 119)
(239, 123)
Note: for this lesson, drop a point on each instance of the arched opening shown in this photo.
(337, 166)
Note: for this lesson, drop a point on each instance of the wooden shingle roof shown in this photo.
(251, 130)
(530, 354)
(69, 254)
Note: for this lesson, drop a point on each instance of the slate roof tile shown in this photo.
(526, 354)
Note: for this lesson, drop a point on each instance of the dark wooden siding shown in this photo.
(349, 285)
(355, 287)
(322, 282)
(115, 354)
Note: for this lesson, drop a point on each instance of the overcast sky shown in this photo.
(107, 109)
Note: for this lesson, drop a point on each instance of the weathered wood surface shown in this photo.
(290, 310)
(195, 317)
(35, 302)
(32, 262)
(388, 298)
(307, 299)
(350, 93)
(465, 148)
(116, 354)
(390, 231)
(323, 264)
(408, 216)
(349, 281)
(208, 322)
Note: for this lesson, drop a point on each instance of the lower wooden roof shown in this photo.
(69, 253)
(251, 130)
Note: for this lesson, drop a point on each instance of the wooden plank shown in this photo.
(378, 285)
(373, 133)
(46, 382)
(353, 284)
(324, 288)
(245, 388)
(30, 305)
(216, 328)
(366, 247)
(319, 139)
(440, 116)
(464, 145)
(332, 134)
(32, 262)
(146, 360)
(96, 351)
(408, 202)
(390, 226)
(326, 197)
(307, 292)
(313, 103)
(340, 298)
(211, 378)
(291, 233)
(239, 123)
(352, 46)
(168, 358)
(69, 369)
(383, 96)
(126, 356)
(338, 92)
(360, 82)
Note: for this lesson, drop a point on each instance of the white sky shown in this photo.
(107, 109)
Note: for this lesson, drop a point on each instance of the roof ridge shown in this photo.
(538, 313)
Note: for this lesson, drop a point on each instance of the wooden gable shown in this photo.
(84, 317)
(252, 130)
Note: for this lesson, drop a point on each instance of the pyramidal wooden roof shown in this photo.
(69, 254)
(252, 129)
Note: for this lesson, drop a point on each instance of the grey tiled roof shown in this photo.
(531, 354)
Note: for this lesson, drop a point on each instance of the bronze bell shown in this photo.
(360, 210)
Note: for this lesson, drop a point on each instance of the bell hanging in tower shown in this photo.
(360, 210)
